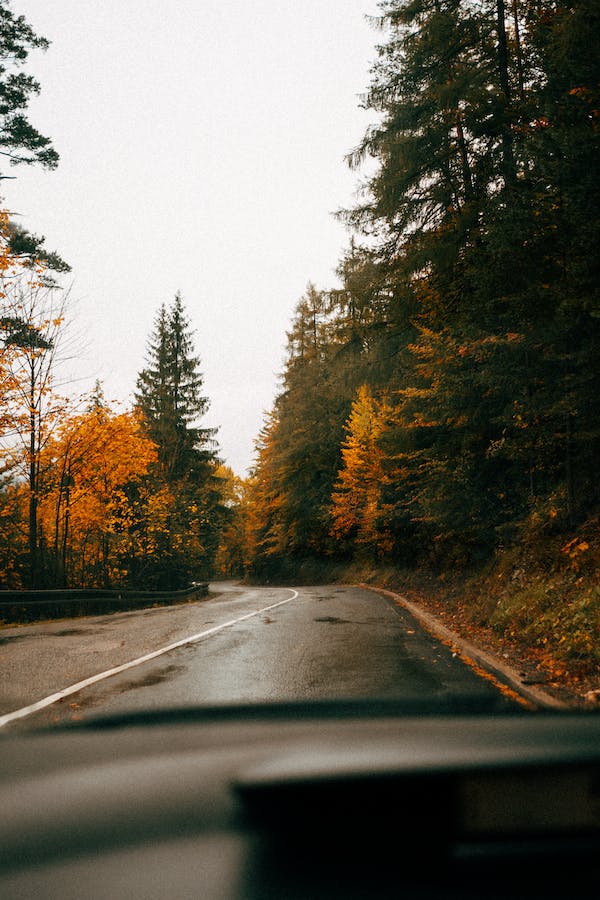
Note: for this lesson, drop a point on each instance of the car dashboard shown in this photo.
(326, 800)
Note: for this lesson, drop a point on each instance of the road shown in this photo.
(244, 644)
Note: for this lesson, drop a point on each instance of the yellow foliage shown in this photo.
(357, 508)
(84, 505)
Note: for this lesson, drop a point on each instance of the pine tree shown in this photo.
(474, 309)
(169, 395)
(20, 142)
(310, 414)
(181, 512)
(484, 210)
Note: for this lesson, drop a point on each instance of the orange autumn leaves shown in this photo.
(91, 476)
(88, 469)
(358, 510)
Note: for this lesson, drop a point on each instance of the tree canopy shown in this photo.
(445, 398)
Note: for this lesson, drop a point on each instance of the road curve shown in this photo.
(243, 645)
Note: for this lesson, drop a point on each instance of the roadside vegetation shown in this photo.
(437, 427)
(439, 412)
(91, 494)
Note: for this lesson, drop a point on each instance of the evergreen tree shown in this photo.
(474, 310)
(310, 414)
(20, 142)
(485, 212)
(169, 395)
(185, 493)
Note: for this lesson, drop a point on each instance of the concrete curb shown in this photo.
(471, 653)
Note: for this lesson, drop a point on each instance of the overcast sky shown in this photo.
(202, 148)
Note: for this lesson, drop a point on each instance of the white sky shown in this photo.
(202, 148)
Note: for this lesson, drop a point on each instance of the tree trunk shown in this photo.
(65, 542)
(508, 157)
(464, 159)
(518, 49)
(569, 468)
(33, 498)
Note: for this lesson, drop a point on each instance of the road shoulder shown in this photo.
(488, 663)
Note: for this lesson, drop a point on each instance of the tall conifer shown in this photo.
(185, 484)
(169, 394)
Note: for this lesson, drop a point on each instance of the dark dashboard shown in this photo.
(326, 800)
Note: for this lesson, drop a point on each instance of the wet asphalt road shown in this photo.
(327, 642)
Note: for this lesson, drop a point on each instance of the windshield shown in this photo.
(299, 391)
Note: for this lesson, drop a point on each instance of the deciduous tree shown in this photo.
(92, 467)
(31, 327)
(358, 513)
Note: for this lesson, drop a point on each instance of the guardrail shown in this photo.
(31, 606)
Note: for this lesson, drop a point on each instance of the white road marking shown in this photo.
(74, 688)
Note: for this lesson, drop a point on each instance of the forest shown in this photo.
(438, 409)
(94, 495)
(91, 494)
(439, 412)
